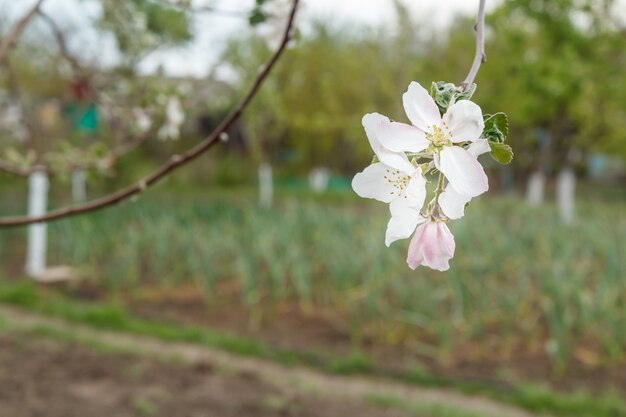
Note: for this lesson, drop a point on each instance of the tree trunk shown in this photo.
(566, 195)
(266, 185)
(318, 179)
(37, 233)
(536, 187)
(79, 186)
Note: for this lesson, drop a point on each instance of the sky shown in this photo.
(371, 12)
(196, 58)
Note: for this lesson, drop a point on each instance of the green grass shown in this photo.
(519, 276)
(112, 317)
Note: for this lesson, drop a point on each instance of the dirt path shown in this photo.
(352, 388)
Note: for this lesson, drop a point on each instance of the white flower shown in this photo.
(450, 144)
(450, 201)
(394, 177)
(142, 119)
(404, 220)
(462, 123)
(174, 120)
(432, 246)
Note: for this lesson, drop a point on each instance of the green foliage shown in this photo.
(305, 251)
(442, 93)
(496, 128)
(309, 111)
(113, 317)
(140, 26)
(257, 16)
(502, 153)
(553, 67)
(446, 93)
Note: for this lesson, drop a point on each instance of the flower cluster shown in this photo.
(445, 137)
(174, 118)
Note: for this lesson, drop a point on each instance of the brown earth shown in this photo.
(46, 377)
(36, 372)
(289, 326)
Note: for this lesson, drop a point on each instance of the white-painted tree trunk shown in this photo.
(536, 187)
(318, 179)
(79, 186)
(566, 195)
(37, 233)
(266, 185)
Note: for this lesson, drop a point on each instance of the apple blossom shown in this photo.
(394, 177)
(174, 118)
(446, 135)
(142, 119)
(451, 202)
(432, 246)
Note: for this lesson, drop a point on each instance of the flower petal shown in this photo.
(463, 171)
(415, 192)
(416, 255)
(400, 137)
(452, 203)
(439, 246)
(403, 222)
(371, 183)
(464, 120)
(421, 108)
(432, 246)
(372, 123)
(479, 147)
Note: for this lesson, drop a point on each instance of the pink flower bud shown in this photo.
(432, 246)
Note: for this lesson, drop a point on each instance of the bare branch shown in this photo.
(61, 42)
(15, 32)
(13, 169)
(14, 89)
(480, 56)
(176, 161)
(115, 154)
(211, 9)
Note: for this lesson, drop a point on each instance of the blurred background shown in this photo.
(260, 247)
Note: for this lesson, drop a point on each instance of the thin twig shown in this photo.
(480, 56)
(27, 120)
(115, 154)
(61, 42)
(112, 157)
(176, 161)
(15, 32)
(13, 169)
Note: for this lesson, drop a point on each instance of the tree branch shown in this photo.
(13, 169)
(31, 130)
(480, 56)
(116, 153)
(176, 161)
(15, 32)
(62, 44)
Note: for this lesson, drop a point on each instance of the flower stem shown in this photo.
(434, 204)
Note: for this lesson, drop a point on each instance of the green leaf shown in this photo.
(442, 92)
(501, 153)
(467, 94)
(257, 16)
(445, 94)
(496, 128)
